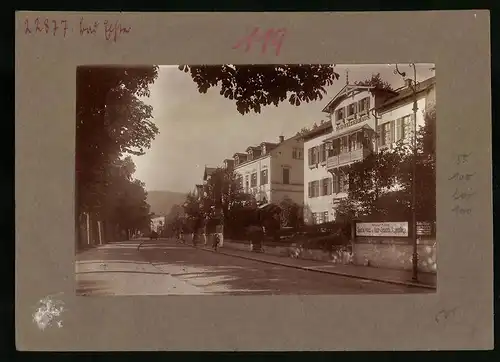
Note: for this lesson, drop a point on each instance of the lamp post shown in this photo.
(413, 86)
(375, 115)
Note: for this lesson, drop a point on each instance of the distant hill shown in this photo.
(162, 201)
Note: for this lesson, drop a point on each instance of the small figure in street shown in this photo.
(216, 241)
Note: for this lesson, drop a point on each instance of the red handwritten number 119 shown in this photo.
(271, 37)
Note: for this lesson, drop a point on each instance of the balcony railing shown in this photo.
(347, 157)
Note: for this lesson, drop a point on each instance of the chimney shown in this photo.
(282, 138)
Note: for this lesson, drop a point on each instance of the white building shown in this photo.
(272, 171)
(355, 114)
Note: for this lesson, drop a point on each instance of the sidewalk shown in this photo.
(393, 276)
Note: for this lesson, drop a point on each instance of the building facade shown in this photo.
(362, 120)
(272, 171)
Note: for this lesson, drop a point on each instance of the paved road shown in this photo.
(165, 268)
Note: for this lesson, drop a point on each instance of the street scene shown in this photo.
(255, 180)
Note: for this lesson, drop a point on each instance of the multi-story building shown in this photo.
(363, 119)
(272, 171)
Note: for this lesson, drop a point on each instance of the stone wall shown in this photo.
(395, 256)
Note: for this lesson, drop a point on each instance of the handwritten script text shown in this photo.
(108, 30)
(462, 193)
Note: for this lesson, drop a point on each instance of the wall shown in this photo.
(262, 163)
(405, 109)
(395, 256)
(281, 157)
(313, 173)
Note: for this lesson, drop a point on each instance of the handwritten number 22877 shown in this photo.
(46, 26)
(272, 37)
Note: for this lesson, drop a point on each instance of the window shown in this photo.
(313, 189)
(313, 156)
(326, 188)
(297, 154)
(286, 176)
(263, 177)
(253, 180)
(404, 128)
(364, 105)
(335, 184)
(247, 183)
(322, 152)
(340, 114)
(351, 109)
(355, 141)
(325, 216)
(316, 216)
(386, 135)
(344, 144)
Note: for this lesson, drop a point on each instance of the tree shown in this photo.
(111, 120)
(369, 179)
(255, 86)
(425, 170)
(291, 213)
(380, 186)
(375, 81)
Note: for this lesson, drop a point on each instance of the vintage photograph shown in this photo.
(305, 179)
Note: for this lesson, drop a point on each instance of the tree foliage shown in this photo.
(291, 213)
(255, 86)
(375, 81)
(380, 186)
(111, 120)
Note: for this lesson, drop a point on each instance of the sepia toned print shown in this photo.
(256, 179)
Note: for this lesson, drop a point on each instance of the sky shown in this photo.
(204, 129)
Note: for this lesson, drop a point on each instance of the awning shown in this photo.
(349, 132)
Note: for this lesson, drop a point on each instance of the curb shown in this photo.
(380, 280)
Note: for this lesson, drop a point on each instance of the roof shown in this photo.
(348, 131)
(208, 171)
(276, 145)
(253, 148)
(408, 92)
(343, 93)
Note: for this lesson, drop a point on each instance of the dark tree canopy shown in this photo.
(255, 86)
(111, 120)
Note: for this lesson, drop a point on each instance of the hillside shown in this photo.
(162, 201)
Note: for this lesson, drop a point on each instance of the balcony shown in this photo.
(347, 157)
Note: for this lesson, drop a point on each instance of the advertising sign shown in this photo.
(391, 229)
(424, 228)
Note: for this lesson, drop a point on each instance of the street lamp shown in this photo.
(413, 87)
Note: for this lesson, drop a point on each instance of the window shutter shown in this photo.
(329, 187)
(380, 136)
(412, 122)
(367, 103)
(399, 129)
(392, 130)
(309, 156)
(316, 160)
(309, 189)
